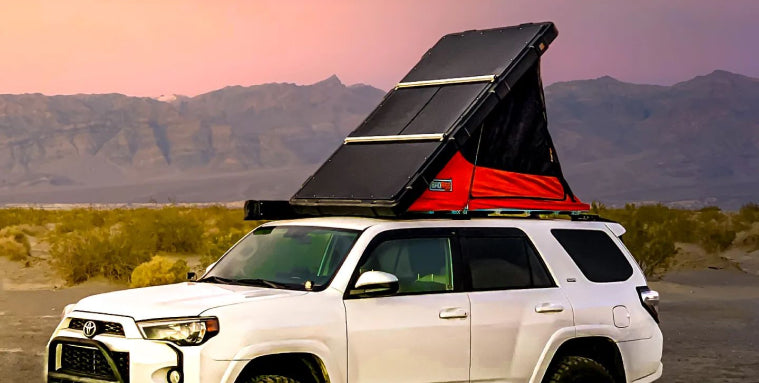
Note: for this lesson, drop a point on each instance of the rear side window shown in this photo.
(501, 263)
(595, 253)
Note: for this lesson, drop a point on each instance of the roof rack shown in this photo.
(278, 209)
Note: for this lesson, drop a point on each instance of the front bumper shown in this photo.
(127, 358)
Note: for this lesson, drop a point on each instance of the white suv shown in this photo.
(369, 300)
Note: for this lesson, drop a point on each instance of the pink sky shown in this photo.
(149, 48)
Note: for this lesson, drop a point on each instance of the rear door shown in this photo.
(516, 305)
(420, 334)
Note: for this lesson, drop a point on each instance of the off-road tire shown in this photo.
(578, 369)
(272, 379)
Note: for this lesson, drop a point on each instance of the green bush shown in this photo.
(159, 271)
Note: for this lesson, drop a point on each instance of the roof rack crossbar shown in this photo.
(447, 81)
(397, 137)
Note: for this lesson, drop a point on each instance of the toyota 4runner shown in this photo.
(370, 300)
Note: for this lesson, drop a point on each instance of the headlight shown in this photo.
(67, 310)
(183, 331)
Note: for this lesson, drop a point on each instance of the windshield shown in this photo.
(296, 257)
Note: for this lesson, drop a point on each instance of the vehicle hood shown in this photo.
(178, 300)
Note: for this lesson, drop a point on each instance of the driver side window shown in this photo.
(421, 264)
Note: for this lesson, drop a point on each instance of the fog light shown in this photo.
(174, 376)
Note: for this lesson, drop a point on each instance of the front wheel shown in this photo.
(271, 379)
(578, 369)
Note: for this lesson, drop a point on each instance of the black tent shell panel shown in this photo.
(395, 112)
(474, 53)
(375, 171)
(445, 108)
(422, 110)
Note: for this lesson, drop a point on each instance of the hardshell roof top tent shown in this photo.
(465, 130)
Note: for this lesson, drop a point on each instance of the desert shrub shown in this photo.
(159, 271)
(89, 242)
(16, 234)
(83, 254)
(746, 217)
(715, 238)
(32, 230)
(748, 239)
(12, 249)
(19, 216)
(651, 245)
(652, 231)
(218, 244)
(715, 232)
(177, 231)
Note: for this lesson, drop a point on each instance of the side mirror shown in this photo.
(375, 283)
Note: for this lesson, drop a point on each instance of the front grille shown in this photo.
(90, 362)
(111, 328)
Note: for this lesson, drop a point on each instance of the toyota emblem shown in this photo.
(90, 329)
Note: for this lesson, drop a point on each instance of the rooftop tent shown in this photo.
(465, 130)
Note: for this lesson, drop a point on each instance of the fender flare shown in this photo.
(562, 336)
(303, 346)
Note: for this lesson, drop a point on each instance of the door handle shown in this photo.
(549, 308)
(453, 313)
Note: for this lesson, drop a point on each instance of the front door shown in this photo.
(421, 333)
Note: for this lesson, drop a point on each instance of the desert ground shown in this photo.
(709, 314)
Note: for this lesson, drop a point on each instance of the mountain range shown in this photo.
(691, 144)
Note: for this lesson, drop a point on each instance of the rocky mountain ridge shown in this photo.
(694, 143)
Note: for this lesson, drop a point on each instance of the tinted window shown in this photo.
(421, 264)
(595, 253)
(503, 263)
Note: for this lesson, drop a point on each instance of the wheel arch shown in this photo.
(302, 366)
(599, 348)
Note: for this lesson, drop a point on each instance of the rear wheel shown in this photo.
(578, 369)
(271, 379)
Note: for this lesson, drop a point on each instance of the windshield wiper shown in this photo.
(262, 282)
(215, 279)
(247, 282)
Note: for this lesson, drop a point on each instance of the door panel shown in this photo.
(516, 306)
(404, 338)
(420, 334)
(508, 334)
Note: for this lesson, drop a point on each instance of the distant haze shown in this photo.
(149, 48)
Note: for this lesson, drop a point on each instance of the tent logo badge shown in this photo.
(441, 185)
